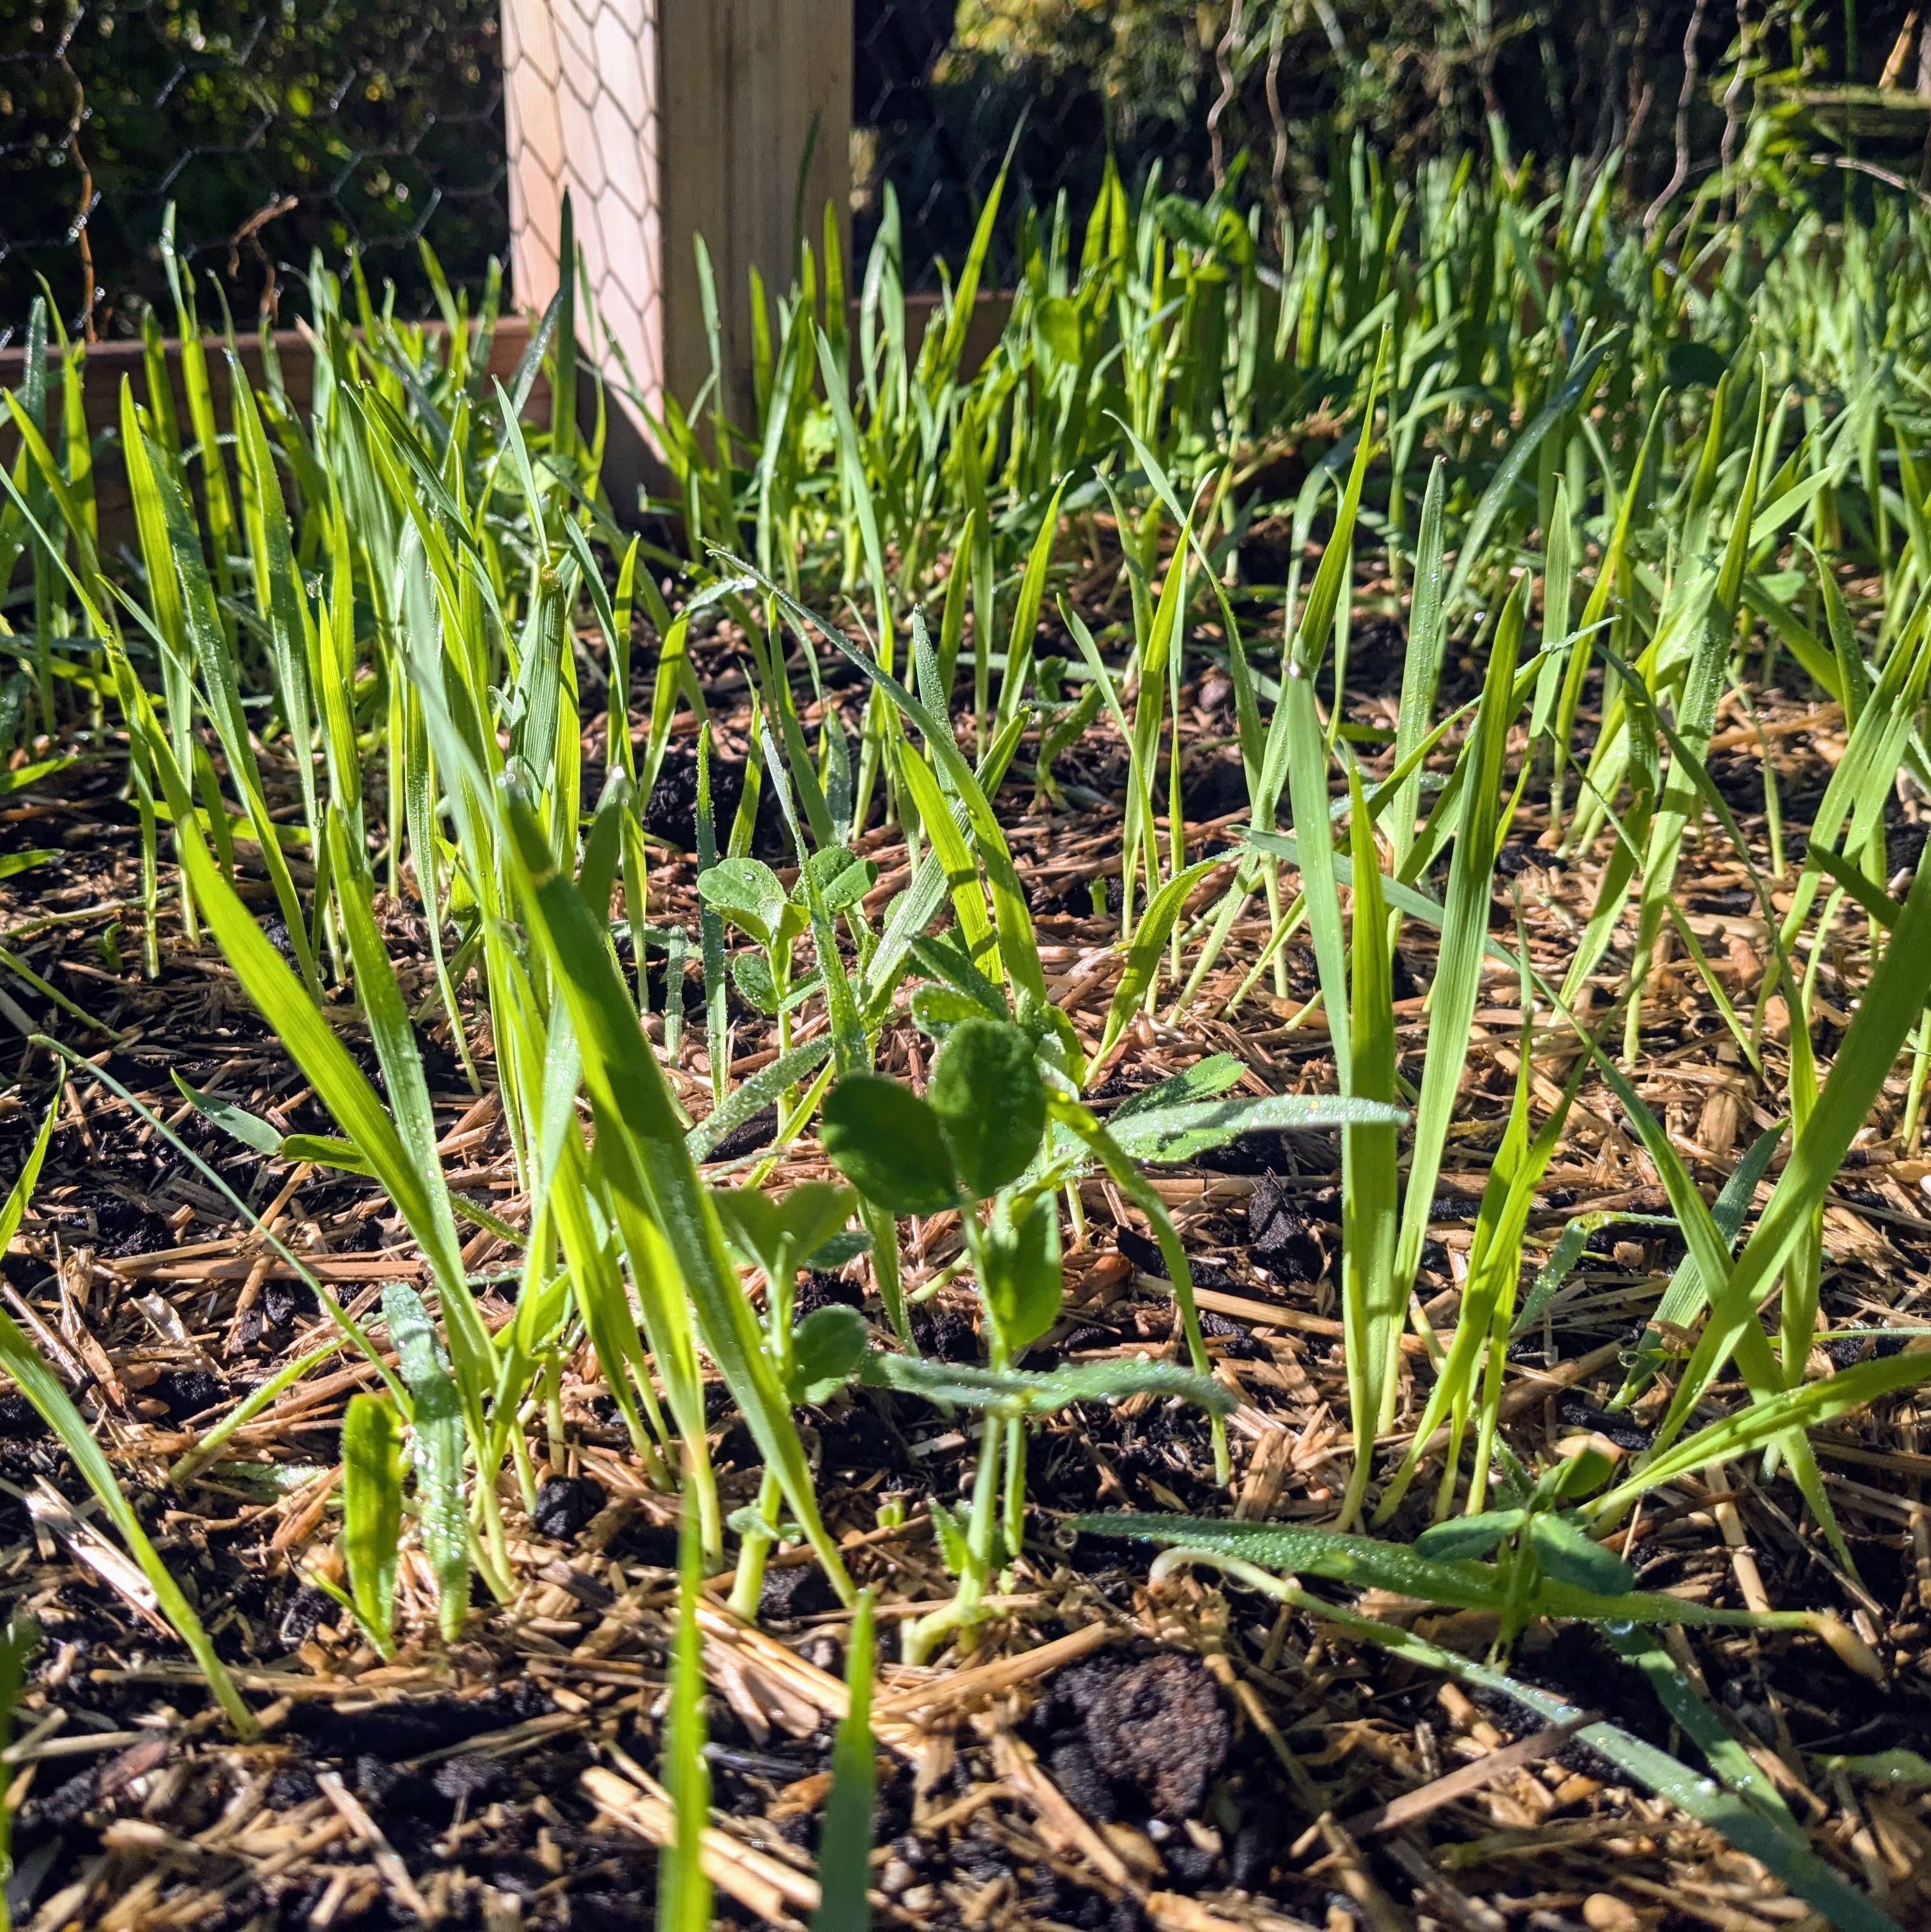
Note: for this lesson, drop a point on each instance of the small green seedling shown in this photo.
(966, 1148)
(1537, 1537)
(806, 1229)
(976, 1145)
(748, 895)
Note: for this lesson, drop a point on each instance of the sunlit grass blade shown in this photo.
(1018, 673)
(844, 1840)
(1698, 1720)
(413, 1116)
(1686, 1294)
(436, 1422)
(1421, 665)
(750, 1097)
(641, 1142)
(1372, 1302)
(372, 1512)
(1464, 934)
(1013, 1393)
(1890, 1007)
(683, 1885)
(1762, 1422)
(1155, 926)
(1297, 742)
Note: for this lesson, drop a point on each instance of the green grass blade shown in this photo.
(1804, 1408)
(414, 1117)
(1890, 1007)
(620, 1069)
(683, 1886)
(1464, 936)
(751, 1097)
(1422, 667)
(845, 1841)
(1149, 939)
(1502, 485)
(1018, 673)
(1687, 1293)
(372, 1512)
(338, 1082)
(1698, 1721)
(1373, 1303)
(437, 1420)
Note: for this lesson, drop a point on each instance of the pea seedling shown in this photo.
(748, 895)
(804, 1229)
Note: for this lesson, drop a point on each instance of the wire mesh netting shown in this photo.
(944, 90)
(1262, 99)
(276, 126)
(270, 129)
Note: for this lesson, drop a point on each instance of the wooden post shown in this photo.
(665, 120)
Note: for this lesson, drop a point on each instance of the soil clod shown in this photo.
(1154, 1728)
(565, 1504)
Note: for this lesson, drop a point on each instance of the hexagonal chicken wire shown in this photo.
(272, 129)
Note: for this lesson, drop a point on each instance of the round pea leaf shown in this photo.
(1569, 1554)
(827, 1347)
(751, 973)
(1466, 1537)
(842, 1248)
(937, 1010)
(886, 1142)
(990, 1102)
(842, 877)
(747, 892)
(812, 1214)
(752, 1224)
(1022, 1283)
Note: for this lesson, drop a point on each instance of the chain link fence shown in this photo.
(276, 126)
(271, 129)
(1262, 98)
(945, 90)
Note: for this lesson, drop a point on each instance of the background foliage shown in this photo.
(275, 129)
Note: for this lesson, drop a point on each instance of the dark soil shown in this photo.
(1177, 1758)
